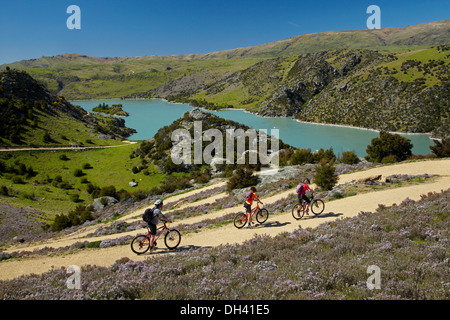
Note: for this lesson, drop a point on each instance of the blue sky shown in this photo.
(36, 28)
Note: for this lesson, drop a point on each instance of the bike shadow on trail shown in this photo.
(270, 224)
(181, 248)
(323, 215)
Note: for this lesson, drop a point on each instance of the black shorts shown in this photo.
(303, 197)
(152, 228)
(248, 207)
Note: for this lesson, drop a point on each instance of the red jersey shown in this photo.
(251, 197)
(303, 189)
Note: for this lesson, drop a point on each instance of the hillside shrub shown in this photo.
(301, 156)
(86, 166)
(93, 244)
(63, 157)
(4, 190)
(349, 157)
(241, 178)
(388, 144)
(75, 197)
(170, 184)
(325, 176)
(80, 215)
(78, 173)
(327, 155)
(441, 149)
(47, 138)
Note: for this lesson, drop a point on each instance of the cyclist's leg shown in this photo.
(248, 212)
(300, 202)
(152, 228)
(307, 202)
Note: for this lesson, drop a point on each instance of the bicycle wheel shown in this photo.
(140, 244)
(239, 220)
(262, 215)
(317, 206)
(298, 211)
(172, 239)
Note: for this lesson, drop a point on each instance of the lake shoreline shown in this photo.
(254, 113)
(293, 131)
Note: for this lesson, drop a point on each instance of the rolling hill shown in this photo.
(33, 116)
(78, 76)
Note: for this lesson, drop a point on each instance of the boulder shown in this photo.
(132, 184)
(100, 203)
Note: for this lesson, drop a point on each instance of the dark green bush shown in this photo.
(78, 173)
(327, 155)
(325, 175)
(441, 149)
(93, 244)
(75, 217)
(241, 178)
(63, 157)
(86, 166)
(75, 197)
(388, 145)
(302, 156)
(349, 157)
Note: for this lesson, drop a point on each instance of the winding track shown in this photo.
(282, 222)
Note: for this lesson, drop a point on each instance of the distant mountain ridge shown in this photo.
(425, 34)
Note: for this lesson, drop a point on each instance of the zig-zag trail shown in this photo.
(278, 223)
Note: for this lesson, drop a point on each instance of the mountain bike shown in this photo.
(261, 216)
(141, 243)
(317, 206)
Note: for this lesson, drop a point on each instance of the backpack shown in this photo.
(248, 195)
(299, 188)
(148, 215)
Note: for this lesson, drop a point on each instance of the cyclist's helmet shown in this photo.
(253, 189)
(158, 202)
(307, 179)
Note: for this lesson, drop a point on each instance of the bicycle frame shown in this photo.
(254, 210)
(303, 202)
(158, 234)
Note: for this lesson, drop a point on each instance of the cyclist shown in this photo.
(157, 216)
(301, 193)
(249, 197)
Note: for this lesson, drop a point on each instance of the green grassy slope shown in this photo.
(45, 192)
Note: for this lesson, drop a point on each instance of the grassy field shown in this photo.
(100, 167)
(421, 57)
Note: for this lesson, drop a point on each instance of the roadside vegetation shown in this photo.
(327, 262)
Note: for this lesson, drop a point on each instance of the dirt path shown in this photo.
(277, 223)
(127, 142)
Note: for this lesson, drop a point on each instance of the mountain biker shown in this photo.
(301, 193)
(249, 197)
(157, 216)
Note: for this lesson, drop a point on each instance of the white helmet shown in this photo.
(158, 202)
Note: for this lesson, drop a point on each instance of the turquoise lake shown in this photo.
(147, 116)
